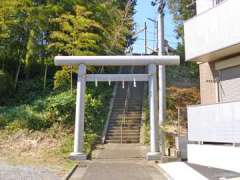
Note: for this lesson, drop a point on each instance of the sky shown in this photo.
(145, 10)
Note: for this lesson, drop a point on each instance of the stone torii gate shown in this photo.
(150, 77)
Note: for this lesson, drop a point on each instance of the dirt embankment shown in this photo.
(178, 99)
(47, 150)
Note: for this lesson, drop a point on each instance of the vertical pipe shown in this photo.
(178, 122)
(79, 118)
(154, 128)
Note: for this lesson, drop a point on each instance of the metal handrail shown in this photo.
(123, 122)
(110, 108)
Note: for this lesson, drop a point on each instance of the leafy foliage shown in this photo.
(180, 98)
(181, 11)
(62, 79)
(32, 32)
(41, 111)
(6, 86)
(77, 33)
(38, 30)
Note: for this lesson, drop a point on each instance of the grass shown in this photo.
(49, 148)
(37, 128)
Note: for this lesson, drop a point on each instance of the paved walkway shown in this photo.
(182, 170)
(118, 162)
(18, 172)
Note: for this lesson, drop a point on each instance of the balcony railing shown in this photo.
(213, 34)
(218, 123)
(216, 2)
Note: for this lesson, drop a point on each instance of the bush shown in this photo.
(145, 128)
(90, 140)
(22, 117)
(30, 91)
(61, 108)
(62, 79)
(6, 87)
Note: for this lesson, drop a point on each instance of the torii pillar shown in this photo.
(151, 77)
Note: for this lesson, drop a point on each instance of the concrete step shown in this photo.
(122, 100)
(124, 126)
(127, 118)
(119, 128)
(132, 138)
(132, 110)
(130, 100)
(117, 133)
(121, 116)
(123, 136)
(129, 106)
(123, 141)
(128, 113)
(126, 121)
(134, 123)
(130, 131)
(122, 105)
(110, 131)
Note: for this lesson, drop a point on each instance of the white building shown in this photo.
(212, 39)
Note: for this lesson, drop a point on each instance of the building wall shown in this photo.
(212, 35)
(208, 85)
(204, 5)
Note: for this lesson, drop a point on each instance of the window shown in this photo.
(216, 2)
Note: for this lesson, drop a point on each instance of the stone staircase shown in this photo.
(125, 121)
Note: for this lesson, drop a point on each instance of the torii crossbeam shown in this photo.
(151, 77)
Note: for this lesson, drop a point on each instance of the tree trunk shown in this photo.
(17, 75)
(71, 80)
(45, 77)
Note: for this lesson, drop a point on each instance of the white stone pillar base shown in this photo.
(152, 156)
(78, 156)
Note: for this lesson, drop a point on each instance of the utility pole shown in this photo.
(156, 29)
(145, 30)
(161, 74)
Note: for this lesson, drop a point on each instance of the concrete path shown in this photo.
(10, 172)
(182, 170)
(118, 162)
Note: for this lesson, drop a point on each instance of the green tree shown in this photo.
(181, 11)
(76, 34)
(32, 32)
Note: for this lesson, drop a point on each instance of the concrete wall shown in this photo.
(213, 30)
(223, 157)
(204, 5)
(208, 88)
(214, 123)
